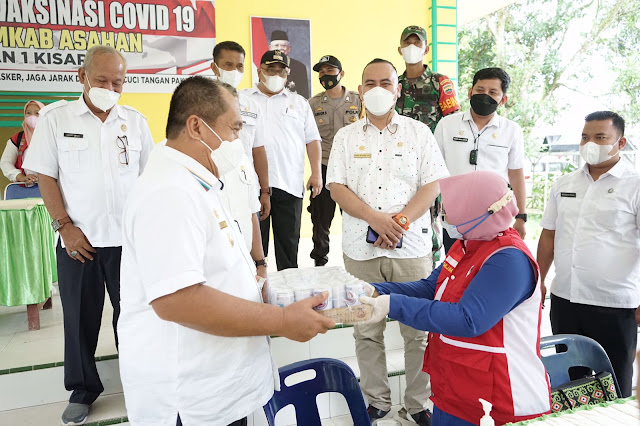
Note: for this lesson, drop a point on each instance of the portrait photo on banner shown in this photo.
(293, 38)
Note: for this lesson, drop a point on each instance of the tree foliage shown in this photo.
(547, 45)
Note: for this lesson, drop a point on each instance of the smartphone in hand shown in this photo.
(372, 237)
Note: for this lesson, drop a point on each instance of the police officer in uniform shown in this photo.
(88, 154)
(332, 109)
(426, 96)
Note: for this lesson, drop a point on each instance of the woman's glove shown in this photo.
(380, 306)
(370, 290)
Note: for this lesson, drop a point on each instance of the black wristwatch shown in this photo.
(522, 216)
(261, 262)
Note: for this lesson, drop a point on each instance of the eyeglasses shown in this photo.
(282, 72)
(123, 143)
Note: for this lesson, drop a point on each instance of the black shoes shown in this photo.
(422, 418)
(376, 413)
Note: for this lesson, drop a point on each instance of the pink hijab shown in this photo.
(468, 198)
(28, 131)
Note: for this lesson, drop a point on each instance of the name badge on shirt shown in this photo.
(457, 139)
(362, 155)
(568, 194)
(74, 135)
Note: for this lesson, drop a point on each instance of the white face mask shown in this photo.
(228, 155)
(452, 230)
(412, 54)
(379, 101)
(102, 99)
(274, 83)
(593, 153)
(232, 78)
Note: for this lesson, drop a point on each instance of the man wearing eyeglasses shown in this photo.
(88, 153)
(288, 129)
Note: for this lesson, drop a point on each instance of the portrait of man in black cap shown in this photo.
(299, 78)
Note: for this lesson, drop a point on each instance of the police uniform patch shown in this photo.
(353, 107)
(352, 119)
(320, 121)
(319, 109)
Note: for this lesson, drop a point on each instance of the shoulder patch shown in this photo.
(52, 106)
(130, 108)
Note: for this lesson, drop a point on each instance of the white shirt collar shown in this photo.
(393, 124)
(255, 89)
(197, 169)
(81, 107)
(618, 170)
(495, 120)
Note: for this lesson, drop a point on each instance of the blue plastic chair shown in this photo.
(332, 375)
(15, 191)
(581, 352)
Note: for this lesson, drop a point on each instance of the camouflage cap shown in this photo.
(414, 29)
(274, 57)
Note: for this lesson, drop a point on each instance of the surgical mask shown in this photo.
(412, 54)
(274, 83)
(329, 81)
(452, 230)
(379, 101)
(227, 156)
(232, 78)
(483, 104)
(102, 99)
(594, 154)
(31, 121)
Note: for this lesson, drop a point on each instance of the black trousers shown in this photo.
(286, 211)
(241, 422)
(614, 328)
(82, 292)
(322, 209)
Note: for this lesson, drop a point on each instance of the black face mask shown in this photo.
(483, 104)
(329, 81)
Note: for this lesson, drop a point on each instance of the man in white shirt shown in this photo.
(244, 181)
(591, 230)
(287, 129)
(383, 171)
(193, 329)
(480, 139)
(88, 153)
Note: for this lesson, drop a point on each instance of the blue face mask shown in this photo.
(453, 232)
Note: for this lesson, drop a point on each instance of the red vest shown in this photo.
(502, 365)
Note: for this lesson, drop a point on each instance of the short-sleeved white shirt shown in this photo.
(251, 116)
(75, 147)
(240, 197)
(597, 237)
(286, 128)
(385, 169)
(177, 233)
(500, 144)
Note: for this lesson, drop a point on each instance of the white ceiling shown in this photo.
(470, 10)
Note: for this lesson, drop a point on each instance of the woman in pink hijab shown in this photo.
(15, 151)
(481, 307)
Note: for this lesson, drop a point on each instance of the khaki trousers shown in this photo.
(370, 349)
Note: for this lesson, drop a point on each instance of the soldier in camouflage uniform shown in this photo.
(426, 96)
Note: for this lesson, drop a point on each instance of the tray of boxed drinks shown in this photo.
(343, 304)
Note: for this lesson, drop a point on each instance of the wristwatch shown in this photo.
(265, 191)
(402, 220)
(261, 262)
(522, 216)
(57, 224)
